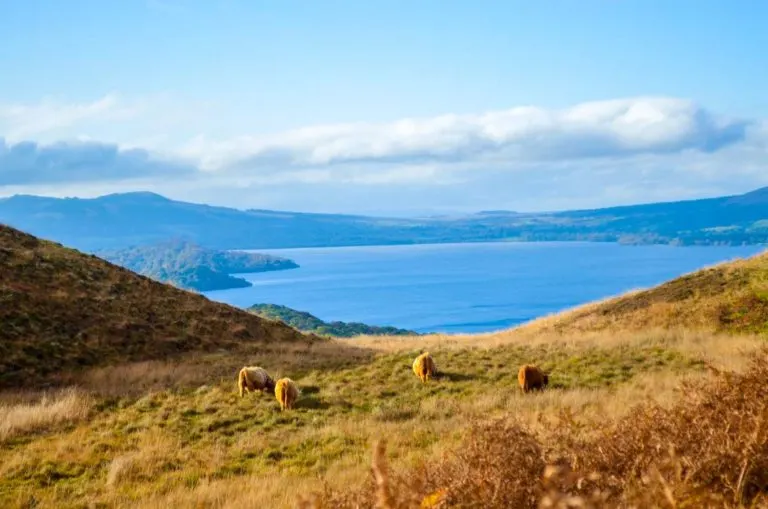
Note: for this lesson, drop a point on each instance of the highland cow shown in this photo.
(254, 378)
(531, 378)
(424, 367)
(286, 392)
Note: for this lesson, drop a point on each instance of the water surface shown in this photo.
(465, 287)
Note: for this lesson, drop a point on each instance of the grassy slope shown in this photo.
(61, 309)
(176, 434)
(157, 431)
(730, 297)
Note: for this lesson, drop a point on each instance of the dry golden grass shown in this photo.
(196, 370)
(177, 434)
(727, 350)
(727, 297)
(708, 450)
(49, 411)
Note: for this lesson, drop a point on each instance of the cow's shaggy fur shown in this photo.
(254, 378)
(286, 393)
(531, 378)
(424, 367)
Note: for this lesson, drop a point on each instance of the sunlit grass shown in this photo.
(178, 433)
(46, 412)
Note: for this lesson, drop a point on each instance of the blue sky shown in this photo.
(385, 106)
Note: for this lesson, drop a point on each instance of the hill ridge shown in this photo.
(121, 220)
(308, 322)
(65, 310)
(730, 297)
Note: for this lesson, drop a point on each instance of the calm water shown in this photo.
(465, 287)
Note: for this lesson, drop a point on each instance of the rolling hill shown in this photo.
(61, 310)
(123, 220)
(730, 297)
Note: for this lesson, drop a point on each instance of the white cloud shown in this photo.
(591, 130)
(524, 158)
(155, 122)
(19, 122)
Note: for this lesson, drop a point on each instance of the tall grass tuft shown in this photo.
(20, 418)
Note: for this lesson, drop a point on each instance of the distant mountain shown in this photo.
(757, 197)
(306, 322)
(122, 220)
(64, 310)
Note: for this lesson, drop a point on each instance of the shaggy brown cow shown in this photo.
(254, 378)
(424, 367)
(531, 378)
(286, 393)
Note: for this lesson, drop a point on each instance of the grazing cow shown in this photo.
(254, 378)
(424, 367)
(286, 393)
(530, 378)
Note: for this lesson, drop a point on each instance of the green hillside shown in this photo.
(730, 297)
(193, 267)
(306, 322)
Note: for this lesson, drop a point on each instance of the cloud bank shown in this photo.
(524, 158)
(29, 163)
(616, 128)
